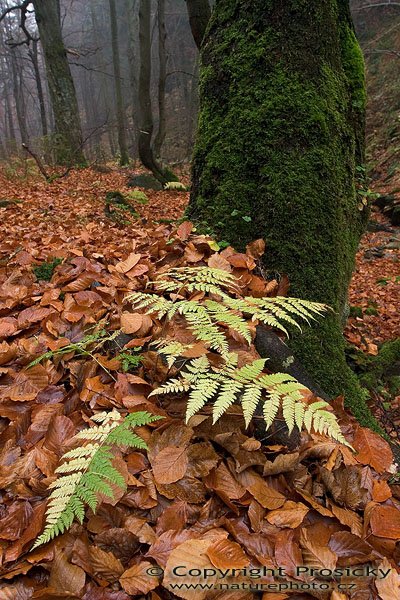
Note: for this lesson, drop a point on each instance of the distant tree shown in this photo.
(61, 85)
(280, 146)
(123, 148)
(162, 78)
(146, 124)
(68, 147)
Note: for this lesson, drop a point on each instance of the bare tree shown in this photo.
(124, 156)
(146, 125)
(162, 78)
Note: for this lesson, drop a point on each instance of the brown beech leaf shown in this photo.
(381, 491)
(282, 464)
(64, 576)
(388, 587)
(131, 322)
(202, 459)
(184, 230)
(316, 554)
(60, 430)
(385, 521)
(170, 464)
(16, 521)
(348, 517)
(290, 515)
(225, 554)
(104, 564)
(161, 549)
(8, 326)
(221, 480)
(17, 591)
(189, 489)
(128, 264)
(350, 548)
(316, 505)
(267, 496)
(137, 580)
(216, 261)
(256, 248)
(193, 555)
(287, 552)
(372, 450)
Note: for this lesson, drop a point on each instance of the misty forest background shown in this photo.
(105, 62)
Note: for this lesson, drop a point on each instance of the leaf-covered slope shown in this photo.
(205, 496)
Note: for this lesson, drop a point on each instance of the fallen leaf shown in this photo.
(372, 450)
(170, 464)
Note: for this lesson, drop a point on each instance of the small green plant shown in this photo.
(208, 318)
(85, 347)
(138, 196)
(129, 362)
(87, 470)
(120, 203)
(44, 272)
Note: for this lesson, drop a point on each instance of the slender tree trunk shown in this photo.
(162, 78)
(10, 120)
(33, 53)
(199, 15)
(280, 136)
(124, 156)
(61, 85)
(146, 125)
(132, 61)
(19, 100)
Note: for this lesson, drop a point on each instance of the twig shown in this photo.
(38, 162)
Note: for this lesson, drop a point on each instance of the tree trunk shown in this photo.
(199, 15)
(146, 125)
(123, 148)
(280, 137)
(162, 78)
(33, 54)
(19, 100)
(61, 85)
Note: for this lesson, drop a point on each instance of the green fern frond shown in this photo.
(271, 408)
(227, 396)
(88, 471)
(200, 394)
(250, 400)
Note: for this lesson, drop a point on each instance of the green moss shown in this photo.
(44, 272)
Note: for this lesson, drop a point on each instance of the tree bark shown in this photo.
(61, 86)
(162, 78)
(199, 12)
(146, 125)
(123, 148)
(33, 54)
(280, 137)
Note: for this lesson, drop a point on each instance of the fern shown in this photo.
(98, 338)
(220, 307)
(87, 471)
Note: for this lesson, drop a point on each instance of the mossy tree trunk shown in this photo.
(280, 137)
(61, 86)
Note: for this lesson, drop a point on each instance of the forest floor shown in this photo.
(310, 506)
(69, 218)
